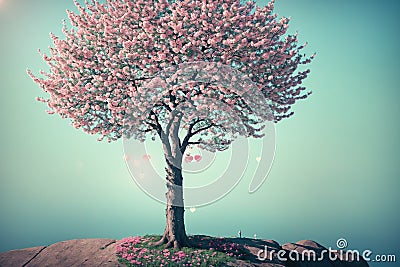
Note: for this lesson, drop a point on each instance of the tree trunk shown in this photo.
(174, 233)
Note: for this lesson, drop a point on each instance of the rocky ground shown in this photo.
(101, 252)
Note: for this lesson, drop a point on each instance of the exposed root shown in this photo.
(162, 241)
(174, 242)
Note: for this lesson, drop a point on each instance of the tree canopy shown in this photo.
(103, 71)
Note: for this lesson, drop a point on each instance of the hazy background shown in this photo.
(336, 172)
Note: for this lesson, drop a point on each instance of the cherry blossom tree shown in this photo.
(103, 77)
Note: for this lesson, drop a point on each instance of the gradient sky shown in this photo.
(336, 171)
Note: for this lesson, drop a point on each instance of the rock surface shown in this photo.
(81, 252)
(101, 252)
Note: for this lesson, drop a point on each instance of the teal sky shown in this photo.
(336, 171)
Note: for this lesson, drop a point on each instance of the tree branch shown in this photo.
(189, 134)
(147, 130)
(171, 120)
(203, 129)
(156, 126)
(194, 143)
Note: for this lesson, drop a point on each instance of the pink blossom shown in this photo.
(118, 42)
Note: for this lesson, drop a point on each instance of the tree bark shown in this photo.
(174, 234)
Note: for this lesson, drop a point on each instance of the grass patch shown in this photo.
(137, 251)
